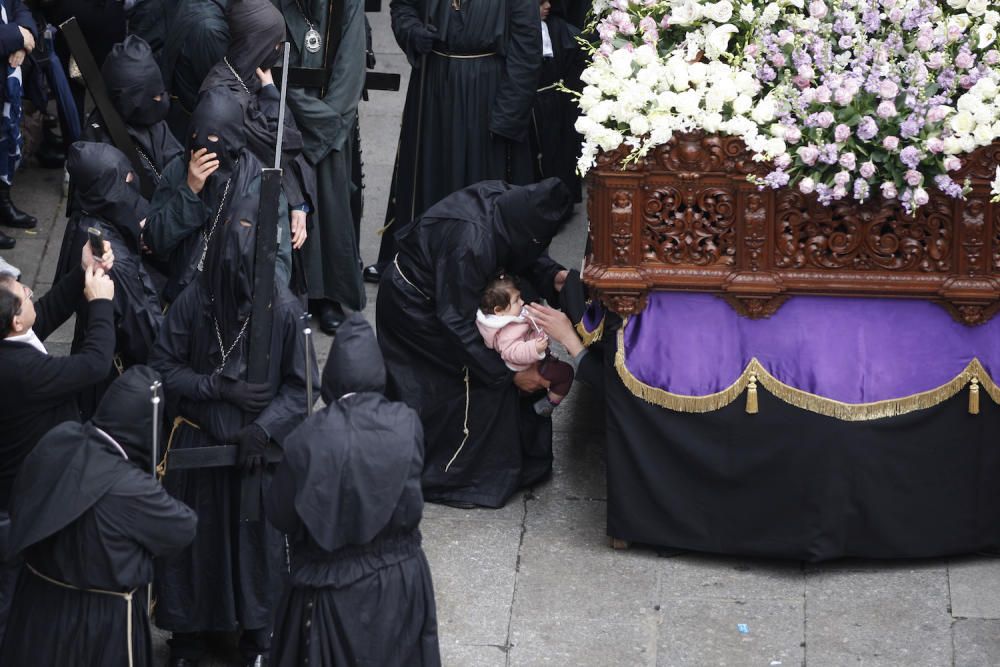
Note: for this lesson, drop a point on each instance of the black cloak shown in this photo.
(466, 118)
(77, 493)
(256, 27)
(348, 495)
(133, 80)
(196, 40)
(230, 577)
(554, 139)
(182, 223)
(108, 203)
(435, 357)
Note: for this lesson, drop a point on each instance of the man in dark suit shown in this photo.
(38, 391)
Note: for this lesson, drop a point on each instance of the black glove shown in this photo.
(252, 441)
(422, 38)
(248, 396)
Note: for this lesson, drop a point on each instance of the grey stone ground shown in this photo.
(535, 583)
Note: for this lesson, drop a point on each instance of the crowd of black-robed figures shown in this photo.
(333, 572)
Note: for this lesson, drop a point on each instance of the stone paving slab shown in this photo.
(891, 617)
(975, 588)
(977, 642)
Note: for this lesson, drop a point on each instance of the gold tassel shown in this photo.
(974, 397)
(752, 395)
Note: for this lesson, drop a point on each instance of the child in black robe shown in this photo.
(88, 490)
(348, 496)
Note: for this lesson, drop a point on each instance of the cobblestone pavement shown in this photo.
(535, 583)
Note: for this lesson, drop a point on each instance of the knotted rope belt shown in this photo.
(126, 596)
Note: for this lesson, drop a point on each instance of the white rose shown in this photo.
(688, 103)
(621, 63)
(962, 21)
(644, 55)
(952, 146)
(639, 126)
(742, 104)
(977, 7)
(697, 72)
(610, 140)
(714, 100)
(807, 186)
(774, 147)
(968, 143)
(745, 83)
(963, 122)
(984, 135)
(748, 13)
(600, 112)
(987, 35)
(718, 40)
(992, 18)
(985, 88)
(711, 122)
(720, 12)
(685, 14)
(764, 111)
(678, 72)
(957, 4)
(770, 14)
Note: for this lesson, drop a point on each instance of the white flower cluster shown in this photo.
(975, 120)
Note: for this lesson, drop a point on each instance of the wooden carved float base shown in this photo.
(685, 218)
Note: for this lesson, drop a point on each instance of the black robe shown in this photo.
(255, 28)
(474, 118)
(180, 220)
(555, 142)
(348, 496)
(231, 576)
(329, 126)
(77, 494)
(196, 40)
(435, 357)
(114, 207)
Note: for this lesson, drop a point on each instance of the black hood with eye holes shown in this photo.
(218, 114)
(133, 79)
(529, 218)
(255, 28)
(99, 173)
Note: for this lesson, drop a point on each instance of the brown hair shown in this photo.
(497, 294)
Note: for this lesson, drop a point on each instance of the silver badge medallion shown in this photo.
(313, 41)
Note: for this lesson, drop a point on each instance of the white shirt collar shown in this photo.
(31, 339)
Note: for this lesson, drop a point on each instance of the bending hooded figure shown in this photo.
(348, 496)
(256, 30)
(436, 360)
(89, 489)
(139, 95)
(229, 579)
(107, 193)
(182, 223)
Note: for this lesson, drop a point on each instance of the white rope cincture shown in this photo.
(465, 426)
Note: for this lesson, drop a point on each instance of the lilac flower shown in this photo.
(818, 9)
(867, 128)
(913, 177)
(964, 60)
(948, 186)
(890, 143)
(829, 154)
(848, 161)
(807, 186)
(910, 156)
(776, 179)
(886, 110)
(842, 178)
(867, 169)
(952, 163)
(842, 133)
(824, 119)
(861, 189)
(935, 145)
(889, 190)
(920, 197)
(888, 89)
(808, 154)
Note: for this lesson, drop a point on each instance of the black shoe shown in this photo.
(183, 662)
(457, 504)
(6, 242)
(10, 215)
(331, 316)
(372, 273)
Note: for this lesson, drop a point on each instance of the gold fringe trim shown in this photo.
(588, 338)
(756, 373)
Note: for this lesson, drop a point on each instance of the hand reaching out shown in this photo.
(297, 221)
(29, 39)
(15, 59)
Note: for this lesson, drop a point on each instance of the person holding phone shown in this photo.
(38, 390)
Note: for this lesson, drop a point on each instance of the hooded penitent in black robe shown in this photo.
(329, 130)
(436, 359)
(256, 27)
(133, 80)
(474, 118)
(231, 576)
(348, 496)
(108, 202)
(88, 522)
(555, 142)
(196, 40)
(181, 222)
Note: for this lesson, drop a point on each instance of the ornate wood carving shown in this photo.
(685, 218)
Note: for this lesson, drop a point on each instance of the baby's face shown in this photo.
(516, 304)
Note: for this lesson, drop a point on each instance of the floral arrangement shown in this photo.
(841, 97)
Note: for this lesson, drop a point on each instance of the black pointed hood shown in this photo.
(218, 114)
(133, 79)
(99, 173)
(529, 218)
(126, 414)
(355, 363)
(255, 28)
